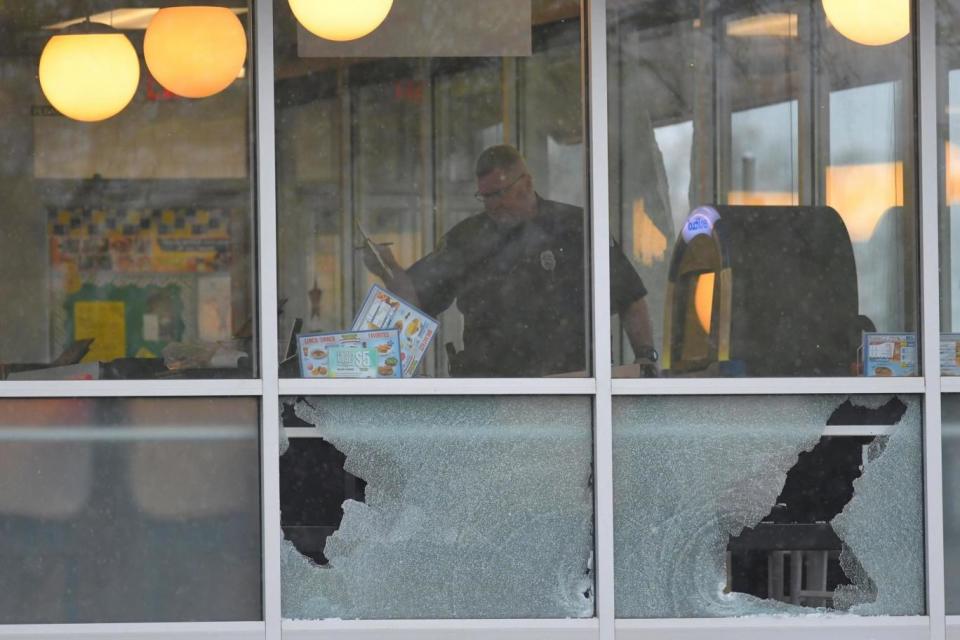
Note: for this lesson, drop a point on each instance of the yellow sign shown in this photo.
(104, 322)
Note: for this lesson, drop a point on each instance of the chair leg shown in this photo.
(796, 576)
(775, 561)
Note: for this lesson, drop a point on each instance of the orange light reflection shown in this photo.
(862, 193)
(703, 299)
(649, 243)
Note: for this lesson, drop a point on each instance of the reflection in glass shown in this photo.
(129, 511)
(437, 508)
(948, 67)
(951, 501)
(763, 162)
(385, 137)
(750, 506)
(865, 184)
(767, 109)
(126, 242)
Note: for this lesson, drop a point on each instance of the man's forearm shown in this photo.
(635, 320)
(384, 265)
(402, 285)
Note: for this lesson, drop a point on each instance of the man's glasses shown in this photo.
(499, 193)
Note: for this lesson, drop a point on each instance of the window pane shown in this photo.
(948, 66)
(951, 504)
(129, 511)
(437, 508)
(799, 143)
(759, 505)
(383, 138)
(125, 247)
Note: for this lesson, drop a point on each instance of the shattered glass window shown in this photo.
(437, 508)
(741, 506)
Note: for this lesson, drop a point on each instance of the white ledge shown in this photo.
(441, 629)
(830, 627)
(129, 388)
(439, 386)
(174, 631)
(766, 386)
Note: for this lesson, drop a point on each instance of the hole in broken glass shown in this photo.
(313, 488)
(795, 555)
(473, 509)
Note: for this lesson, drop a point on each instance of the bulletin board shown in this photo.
(130, 278)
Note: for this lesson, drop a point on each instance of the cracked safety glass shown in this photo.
(729, 507)
(437, 508)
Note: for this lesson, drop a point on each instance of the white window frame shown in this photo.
(601, 389)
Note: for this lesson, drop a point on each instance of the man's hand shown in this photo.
(376, 266)
(394, 277)
(648, 368)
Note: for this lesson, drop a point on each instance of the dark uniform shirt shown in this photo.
(521, 291)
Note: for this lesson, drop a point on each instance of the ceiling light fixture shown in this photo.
(195, 51)
(341, 20)
(869, 22)
(770, 25)
(89, 72)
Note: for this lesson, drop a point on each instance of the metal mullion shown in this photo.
(929, 198)
(546, 629)
(130, 388)
(953, 627)
(266, 169)
(135, 631)
(439, 387)
(763, 627)
(807, 180)
(767, 386)
(595, 43)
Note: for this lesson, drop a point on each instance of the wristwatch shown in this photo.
(646, 353)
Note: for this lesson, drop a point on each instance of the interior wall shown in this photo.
(155, 137)
(23, 273)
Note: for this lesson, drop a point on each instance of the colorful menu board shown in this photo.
(383, 310)
(354, 354)
(950, 354)
(889, 354)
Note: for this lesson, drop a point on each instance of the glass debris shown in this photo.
(475, 508)
(692, 473)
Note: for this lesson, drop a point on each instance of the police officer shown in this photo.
(517, 274)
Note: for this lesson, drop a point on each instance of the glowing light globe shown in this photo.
(340, 20)
(869, 22)
(195, 52)
(90, 73)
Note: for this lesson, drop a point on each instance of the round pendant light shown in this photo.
(195, 52)
(89, 72)
(869, 22)
(341, 20)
